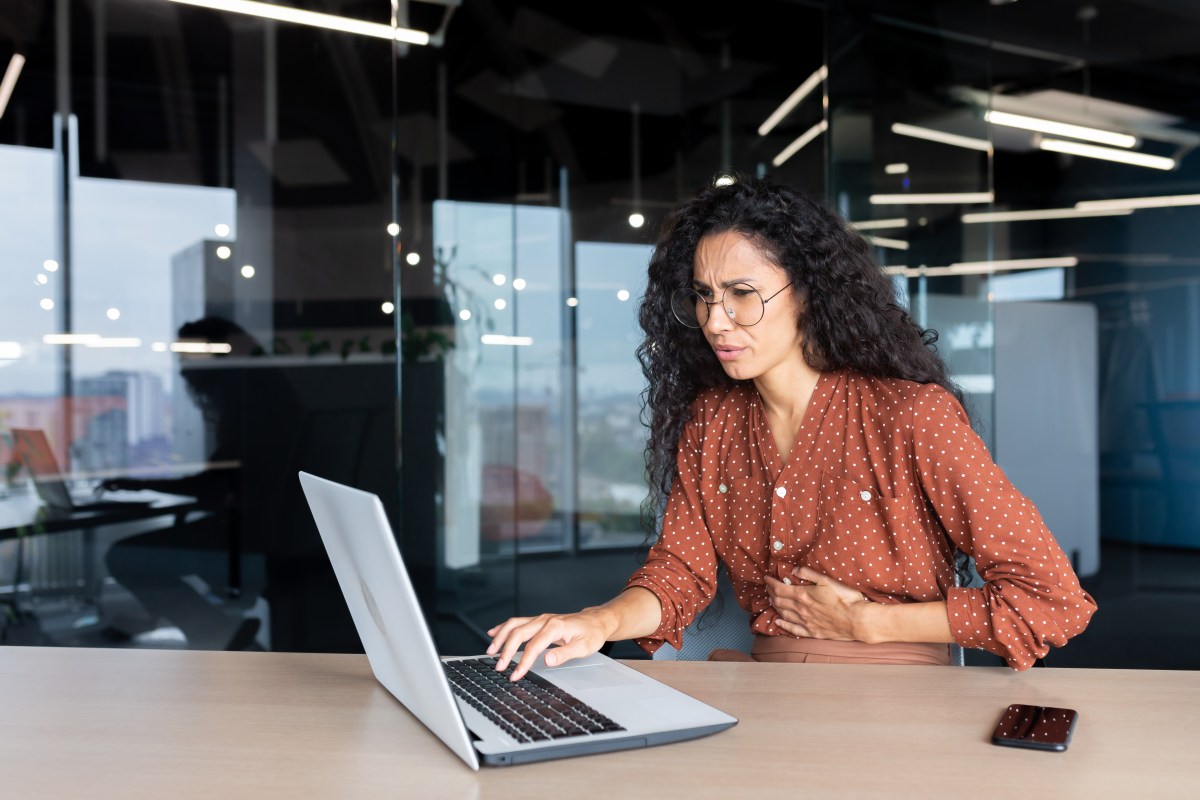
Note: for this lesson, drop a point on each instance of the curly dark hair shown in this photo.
(850, 320)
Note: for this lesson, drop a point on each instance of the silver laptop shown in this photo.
(590, 705)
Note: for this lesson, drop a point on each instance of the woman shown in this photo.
(805, 433)
(155, 566)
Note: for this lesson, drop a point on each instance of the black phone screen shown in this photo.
(1039, 727)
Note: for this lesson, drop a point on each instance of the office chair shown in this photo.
(724, 624)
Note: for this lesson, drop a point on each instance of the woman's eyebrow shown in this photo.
(724, 284)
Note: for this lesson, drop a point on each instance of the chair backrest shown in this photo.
(724, 624)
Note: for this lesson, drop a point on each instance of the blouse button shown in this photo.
(781, 491)
(788, 581)
(778, 545)
(864, 494)
(722, 488)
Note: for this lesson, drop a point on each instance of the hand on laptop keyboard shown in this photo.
(119, 485)
(529, 710)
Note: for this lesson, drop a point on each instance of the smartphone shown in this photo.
(1038, 727)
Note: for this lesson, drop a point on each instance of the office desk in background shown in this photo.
(153, 724)
(22, 514)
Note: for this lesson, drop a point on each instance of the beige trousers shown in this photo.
(822, 651)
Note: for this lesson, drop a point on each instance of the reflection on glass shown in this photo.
(609, 430)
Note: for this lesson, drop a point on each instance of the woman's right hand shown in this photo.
(577, 635)
(119, 485)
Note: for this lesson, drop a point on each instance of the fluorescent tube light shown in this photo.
(954, 139)
(1131, 203)
(942, 198)
(515, 341)
(896, 169)
(70, 338)
(982, 267)
(794, 99)
(803, 139)
(313, 19)
(201, 347)
(114, 341)
(1014, 263)
(1107, 154)
(9, 82)
(880, 224)
(10, 351)
(894, 244)
(1044, 213)
(1023, 122)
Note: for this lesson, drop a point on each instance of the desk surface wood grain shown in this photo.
(134, 724)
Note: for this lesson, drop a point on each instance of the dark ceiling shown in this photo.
(535, 86)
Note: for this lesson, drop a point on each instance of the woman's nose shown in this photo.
(718, 317)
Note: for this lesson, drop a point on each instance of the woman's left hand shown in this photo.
(816, 606)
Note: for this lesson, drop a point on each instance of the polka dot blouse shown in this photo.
(884, 479)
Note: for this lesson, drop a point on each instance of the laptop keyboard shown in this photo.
(529, 710)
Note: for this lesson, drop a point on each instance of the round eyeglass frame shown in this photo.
(685, 296)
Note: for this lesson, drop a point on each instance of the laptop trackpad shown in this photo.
(595, 677)
(580, 675)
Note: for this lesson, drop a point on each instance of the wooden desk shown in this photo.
(154, 724)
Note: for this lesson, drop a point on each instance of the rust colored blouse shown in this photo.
(884, 479)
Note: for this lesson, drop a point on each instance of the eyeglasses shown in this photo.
(741, 301)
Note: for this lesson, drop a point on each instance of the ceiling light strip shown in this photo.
(314, 19)
(880, 224)
(893, 244)
(1015, 263)
(69, 338)
(9, 81)
(1107, 154)
(942, 198)
(942, 137)
(801, 140)
(794, 99)
(512, 341)
(1040, 125)
(981, 267)
(1131, 203)
(1043, 213)
(201, 347)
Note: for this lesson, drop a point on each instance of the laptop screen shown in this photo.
(33, 449)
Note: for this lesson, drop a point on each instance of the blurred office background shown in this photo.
(416, 262)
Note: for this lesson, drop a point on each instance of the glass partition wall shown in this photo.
(235, 249)
(199, 301)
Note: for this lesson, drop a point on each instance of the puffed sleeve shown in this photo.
(1031, 598)
(681, 568)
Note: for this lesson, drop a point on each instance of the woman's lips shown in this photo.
(728, 353)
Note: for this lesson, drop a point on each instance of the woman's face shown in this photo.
(746, 352)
